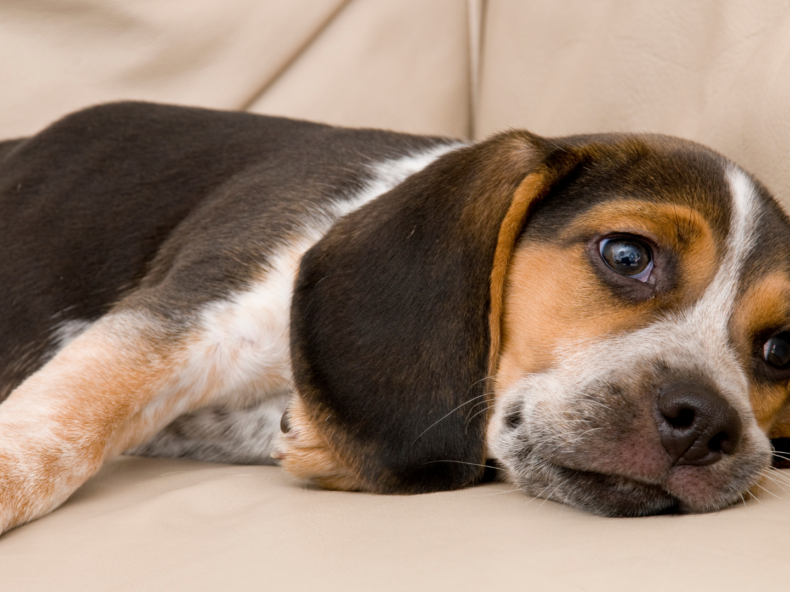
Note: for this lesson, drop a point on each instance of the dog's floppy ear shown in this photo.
(396, 312)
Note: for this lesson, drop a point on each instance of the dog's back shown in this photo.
(117, 198)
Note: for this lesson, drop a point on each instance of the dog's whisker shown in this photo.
(476, 405)
(776, 474)
(483, 410)
(768, 491)
(780, 486)
(462, 462)
(512, 490)
(549, 496)
(476, 382)
(779, 480)
(446, 415)
(474, 411)
(779, 473)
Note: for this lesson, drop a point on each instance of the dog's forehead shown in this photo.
(723, 236)
(678, 183)
(646, 168)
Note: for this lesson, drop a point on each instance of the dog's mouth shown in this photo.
(612, 471)
(661, 441)
(597, 493)
(601, 480)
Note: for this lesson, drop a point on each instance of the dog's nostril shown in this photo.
(697, 425)
(719, 442)
(684, 419)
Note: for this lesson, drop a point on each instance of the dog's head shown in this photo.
(607, 317)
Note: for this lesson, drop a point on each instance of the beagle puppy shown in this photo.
(601, 320)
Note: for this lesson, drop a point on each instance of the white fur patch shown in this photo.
(716, 304)
(64, 333)
(389, 173)
(240, 357)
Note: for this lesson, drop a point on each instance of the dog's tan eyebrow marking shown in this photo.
(565, 301)
(678, 226)
(681, 228)
(764, 306)
(676, 223)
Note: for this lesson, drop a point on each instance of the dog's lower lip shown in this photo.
(601, 490)
(564, 465)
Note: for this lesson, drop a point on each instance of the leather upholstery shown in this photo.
(711, 71)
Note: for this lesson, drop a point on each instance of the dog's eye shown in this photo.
(628, 257)
(776, 350)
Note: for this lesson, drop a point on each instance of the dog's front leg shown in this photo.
(111, 388)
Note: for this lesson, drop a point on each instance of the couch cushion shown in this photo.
(400, 64)
(714, 72)
(350, 75)
(151, 524)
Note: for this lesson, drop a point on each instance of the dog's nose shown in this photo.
(697, 425)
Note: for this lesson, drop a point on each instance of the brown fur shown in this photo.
(305, 453)
(529, 190)
(764, 306)
(552, 293)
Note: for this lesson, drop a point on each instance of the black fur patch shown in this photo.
(389, 322)
(157, 206)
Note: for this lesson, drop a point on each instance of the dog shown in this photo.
(602, 320)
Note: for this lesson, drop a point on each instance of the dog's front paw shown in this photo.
(36, 478)
(303, 452)
(24, 493)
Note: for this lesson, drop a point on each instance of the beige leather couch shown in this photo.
(717, 72)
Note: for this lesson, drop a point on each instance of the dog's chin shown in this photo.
(597, 493)
(603, 478)
(600, 450)
(617, 495)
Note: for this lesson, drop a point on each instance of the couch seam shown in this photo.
(290, 61)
